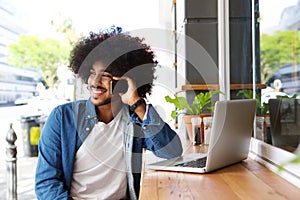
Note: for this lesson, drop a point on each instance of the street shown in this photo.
(12, 114)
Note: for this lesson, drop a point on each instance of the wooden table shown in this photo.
(245, 180)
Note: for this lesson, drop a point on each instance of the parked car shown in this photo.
(22, 101)
(45, 105)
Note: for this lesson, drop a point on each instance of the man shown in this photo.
(92, 149)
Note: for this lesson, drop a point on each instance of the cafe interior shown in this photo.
(218, 45)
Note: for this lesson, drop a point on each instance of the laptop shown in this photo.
(231, 132)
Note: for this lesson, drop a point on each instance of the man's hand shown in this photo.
(131, 95)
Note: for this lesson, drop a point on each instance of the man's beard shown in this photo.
(106, 101)
(102, 103)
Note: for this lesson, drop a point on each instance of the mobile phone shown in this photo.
(120, 86)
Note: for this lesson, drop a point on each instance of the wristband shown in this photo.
(136, 104)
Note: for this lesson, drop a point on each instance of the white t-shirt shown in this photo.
(99, 168)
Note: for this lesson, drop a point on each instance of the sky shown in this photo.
(88, 15)
(91, 15)
(270, 11)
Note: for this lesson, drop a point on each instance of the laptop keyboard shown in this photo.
(198, 163)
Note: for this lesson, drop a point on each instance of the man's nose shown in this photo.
(97, 78)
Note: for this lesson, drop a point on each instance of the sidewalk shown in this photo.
(25, 165)
(25, 176)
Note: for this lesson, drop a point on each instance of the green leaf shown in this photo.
(292, 161)
(202, 100)
(294, 96)
(282, 97)
(179, 102)
(295, 160)
(173, 114)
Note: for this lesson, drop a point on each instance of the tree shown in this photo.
(65, 26)
(278, 49)
(45, 55)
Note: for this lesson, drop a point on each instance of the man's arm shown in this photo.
(49, 182)
(159, 137)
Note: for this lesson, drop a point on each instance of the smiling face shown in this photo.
(99, 85)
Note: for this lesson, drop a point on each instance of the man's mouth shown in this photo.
(97, 90)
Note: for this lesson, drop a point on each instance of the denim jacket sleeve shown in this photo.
(49, 181)
(159, 137)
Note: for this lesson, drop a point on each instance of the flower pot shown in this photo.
(262, 124)
(260, 128)
(207, 121)
(188, 125)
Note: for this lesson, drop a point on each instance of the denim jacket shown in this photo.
(67, 127)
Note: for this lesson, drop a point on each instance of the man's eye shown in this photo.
(92, 73)
(106, 75)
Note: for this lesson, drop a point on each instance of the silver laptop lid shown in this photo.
(232, 128)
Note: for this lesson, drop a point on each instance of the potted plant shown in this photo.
(261, 107)
(262, 114)
(202, 102)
